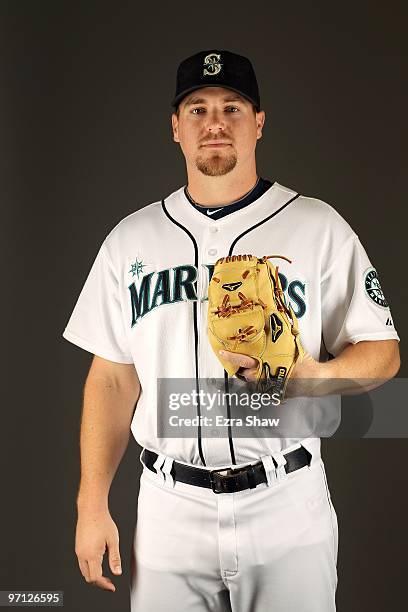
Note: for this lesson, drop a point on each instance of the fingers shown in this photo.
(91, 568)
(237, 359)
(96, 578)
(92, 572)
(93, 539)
(83, 566)
(114, 557)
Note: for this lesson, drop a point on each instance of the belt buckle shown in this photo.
(219, 481)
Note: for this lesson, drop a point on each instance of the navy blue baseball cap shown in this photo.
(217, 69)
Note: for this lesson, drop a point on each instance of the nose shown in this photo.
(215, 121)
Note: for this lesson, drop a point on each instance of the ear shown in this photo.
(260, 122)
(174, 124)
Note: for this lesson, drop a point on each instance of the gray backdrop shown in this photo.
(86, 140)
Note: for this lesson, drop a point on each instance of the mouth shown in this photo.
(216, 144)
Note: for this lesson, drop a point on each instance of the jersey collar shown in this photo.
(184, 213)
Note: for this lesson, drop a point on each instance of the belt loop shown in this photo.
(312, 461)
(280, 465)
(269, 468)
(158, 467)
(166, 470)
(141, 456)
(312, 446)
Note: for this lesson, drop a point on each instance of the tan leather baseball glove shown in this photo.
(247, 314)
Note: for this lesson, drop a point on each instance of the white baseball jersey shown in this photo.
(145, 299)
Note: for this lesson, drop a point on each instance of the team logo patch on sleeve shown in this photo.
(373, 288)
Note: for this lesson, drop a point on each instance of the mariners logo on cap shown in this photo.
(373, 287)
(212, 64)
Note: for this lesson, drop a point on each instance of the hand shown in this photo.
(247, 365)
(95, 532)
(306, 368)
(303, 378)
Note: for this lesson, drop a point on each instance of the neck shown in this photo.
(218, 190)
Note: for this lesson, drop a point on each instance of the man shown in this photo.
(268, 540)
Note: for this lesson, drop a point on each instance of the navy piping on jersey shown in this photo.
(166, 212)
(226, 384)
(230, 441)
(261, 223)
(226, 380)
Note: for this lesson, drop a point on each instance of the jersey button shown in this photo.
(212, 252)
(213, 230)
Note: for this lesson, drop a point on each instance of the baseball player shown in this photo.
(244, 524)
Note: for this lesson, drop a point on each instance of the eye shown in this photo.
(229, 109)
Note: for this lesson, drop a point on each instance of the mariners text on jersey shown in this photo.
(179, 284)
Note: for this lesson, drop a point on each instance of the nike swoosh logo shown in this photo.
(212, 212)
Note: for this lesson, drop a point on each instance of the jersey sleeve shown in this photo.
(354, 307)
(96, 323)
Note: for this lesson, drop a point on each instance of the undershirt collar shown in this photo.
(214, 212)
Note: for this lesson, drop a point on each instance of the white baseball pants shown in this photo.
(269, 549)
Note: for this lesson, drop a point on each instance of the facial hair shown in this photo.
(216, 164)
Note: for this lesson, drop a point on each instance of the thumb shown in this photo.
(238, 359)
(114, 557)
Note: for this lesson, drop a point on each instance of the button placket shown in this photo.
(210, 250)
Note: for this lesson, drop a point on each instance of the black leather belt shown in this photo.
(229, 480)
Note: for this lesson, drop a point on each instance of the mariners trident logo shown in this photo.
(373, 287)
(212, 64)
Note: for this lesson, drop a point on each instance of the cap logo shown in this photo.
(212, 64)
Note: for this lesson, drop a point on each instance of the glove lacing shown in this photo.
(226, 309)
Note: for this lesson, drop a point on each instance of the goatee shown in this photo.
(216, 165)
